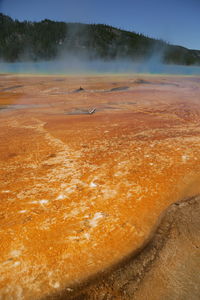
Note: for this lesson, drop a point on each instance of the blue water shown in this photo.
(78, 66)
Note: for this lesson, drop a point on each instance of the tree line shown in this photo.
(47, 40)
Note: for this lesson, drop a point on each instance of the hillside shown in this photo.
(48, 40)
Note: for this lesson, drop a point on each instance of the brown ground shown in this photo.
(167, 268)
(81, 194)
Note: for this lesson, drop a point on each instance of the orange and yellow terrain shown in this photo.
(80, 192)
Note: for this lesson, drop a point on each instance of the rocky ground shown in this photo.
(99, 187)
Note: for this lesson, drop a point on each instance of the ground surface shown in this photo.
(82, 193)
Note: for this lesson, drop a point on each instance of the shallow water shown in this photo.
(98, 66)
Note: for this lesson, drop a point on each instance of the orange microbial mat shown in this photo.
(88, 166)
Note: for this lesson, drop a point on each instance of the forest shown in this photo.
(48, 40)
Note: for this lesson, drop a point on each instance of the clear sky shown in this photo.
(175, 21)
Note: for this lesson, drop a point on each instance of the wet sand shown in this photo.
(80, 193)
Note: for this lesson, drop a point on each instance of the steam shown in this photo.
(77, 65)
(76, 56)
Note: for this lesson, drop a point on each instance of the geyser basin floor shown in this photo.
(81, 192)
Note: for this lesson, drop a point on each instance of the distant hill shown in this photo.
(48, 40)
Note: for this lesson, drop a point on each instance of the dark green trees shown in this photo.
(48, 40)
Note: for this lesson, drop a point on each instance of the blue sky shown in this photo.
(176, 21)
